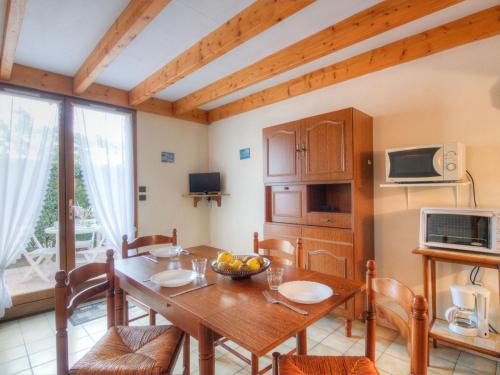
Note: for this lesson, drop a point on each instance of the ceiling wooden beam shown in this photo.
(259, 16)
(14, 13)
(24, 76)
(360, 26)
(477, 26)
(136, 16)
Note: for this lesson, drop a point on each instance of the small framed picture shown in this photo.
(244, 153)
(167, 157)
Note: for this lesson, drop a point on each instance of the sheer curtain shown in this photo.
(104, 139)
(28, 130)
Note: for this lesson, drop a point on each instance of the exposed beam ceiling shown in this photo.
(363, 25)
(477, 26)
(24, 76)
(136, 16)
(259, 16)
(14, 13)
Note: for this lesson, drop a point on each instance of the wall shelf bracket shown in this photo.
(407, 186)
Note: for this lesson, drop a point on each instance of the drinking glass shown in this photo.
(199, 266)
(274, 277)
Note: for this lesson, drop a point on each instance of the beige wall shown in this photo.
(166, 183)
(451, 96)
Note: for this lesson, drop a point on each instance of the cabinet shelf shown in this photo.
(407, 186)
(208, 197)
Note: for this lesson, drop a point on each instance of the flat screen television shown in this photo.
(204, 183)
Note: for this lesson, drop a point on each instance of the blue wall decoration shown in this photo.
(245, 153)
(167, 157)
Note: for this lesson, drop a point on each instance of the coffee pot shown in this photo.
(469, 315)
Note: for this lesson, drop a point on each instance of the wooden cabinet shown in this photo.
(326, 145)
(288, 204)
(318, 174)
(281, 153)
(319, 148)
(330, 251)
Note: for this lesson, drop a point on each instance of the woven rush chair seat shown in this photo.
(308, 365)
(132, 350)
(123, 350)
(395, 304)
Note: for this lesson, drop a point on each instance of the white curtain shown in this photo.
(104, 142)
(28, 131)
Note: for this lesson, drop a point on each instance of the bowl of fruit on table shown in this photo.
(239, 266)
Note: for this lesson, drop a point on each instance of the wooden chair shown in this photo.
(281, 251)
(284, 253)
(399, 307)
(138, 243)
(122, 350)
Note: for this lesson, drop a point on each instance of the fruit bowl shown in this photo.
(240, 275)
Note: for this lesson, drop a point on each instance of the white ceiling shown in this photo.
(57, 35)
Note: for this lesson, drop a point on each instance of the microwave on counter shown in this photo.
(432, 163)
(470, 229)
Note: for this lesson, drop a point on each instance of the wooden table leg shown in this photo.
(302, 342)
(348, 328)
(433, 296)
(118, 303)
(206, 351)
(426, 277)
(425, 261)
(255, 365)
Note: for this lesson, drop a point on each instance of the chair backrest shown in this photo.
(156, 239)
(395, 304)
(285, 250)
(71, 290)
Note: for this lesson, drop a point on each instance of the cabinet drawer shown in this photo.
(272, 230)
(288, 204)
(329, 219)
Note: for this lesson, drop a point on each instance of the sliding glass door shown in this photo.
(104, 182)
(67, 191)
(30, 129)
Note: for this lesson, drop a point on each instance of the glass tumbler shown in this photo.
(274, 277)
(199, 266)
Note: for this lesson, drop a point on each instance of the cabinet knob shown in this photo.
(286, 188)
(328, 220)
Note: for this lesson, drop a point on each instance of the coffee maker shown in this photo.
(469, 315)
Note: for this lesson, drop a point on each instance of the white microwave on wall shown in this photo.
(433, 163)
(469, 229)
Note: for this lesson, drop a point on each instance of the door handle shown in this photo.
(70, 210)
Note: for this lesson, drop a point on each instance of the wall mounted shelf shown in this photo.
(208, 197)
(407, 186)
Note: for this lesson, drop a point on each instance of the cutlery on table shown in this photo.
(273, 300)
(150, 259)
(191, 289)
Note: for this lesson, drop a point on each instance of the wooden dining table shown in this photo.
(234, 309)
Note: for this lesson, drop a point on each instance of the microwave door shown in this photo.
(467, 232)
(416, 164)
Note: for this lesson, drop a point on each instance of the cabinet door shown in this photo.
(330, 251)
(327, 147)
(288, 204)
(281, 156)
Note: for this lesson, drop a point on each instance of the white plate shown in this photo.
(173, 278)
(307, 292)
(165, 252)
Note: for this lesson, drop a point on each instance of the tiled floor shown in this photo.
(27, 346)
